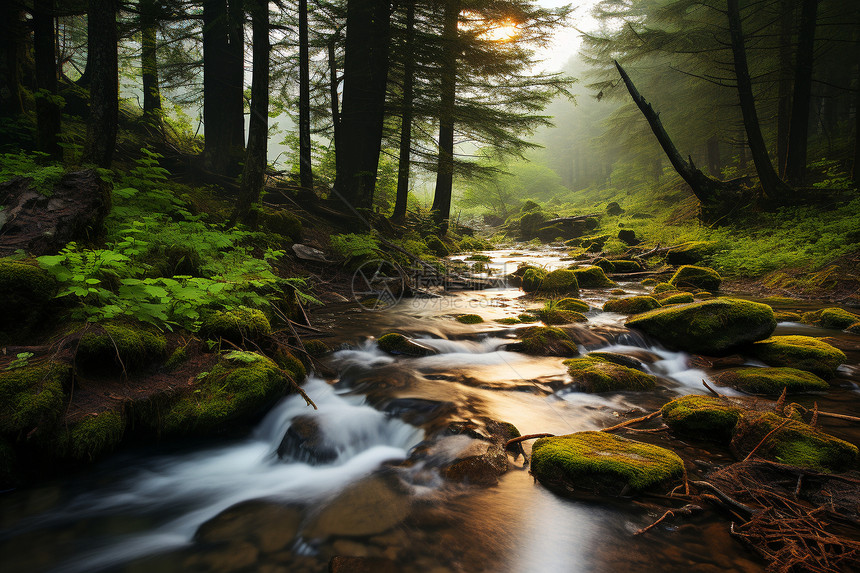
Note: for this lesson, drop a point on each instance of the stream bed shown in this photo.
(374, 482)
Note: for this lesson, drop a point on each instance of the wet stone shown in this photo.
(341, 564)
(305, 442)
(370, 507)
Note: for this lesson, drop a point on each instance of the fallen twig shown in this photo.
(633, 421)
(513, 441)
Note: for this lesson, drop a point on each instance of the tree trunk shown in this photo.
(365, 77)
(403, 163)
(798, 133)
(223, 86)
(714, 156)
(253, 175)
(445, 169)
(104, 89)
(149, 64)
(783, 112)
(335, 111)
(47, 110)
(11, 103)
(772, 187)
(306, 177)
(855, 169)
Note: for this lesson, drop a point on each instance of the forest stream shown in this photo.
(386, 430)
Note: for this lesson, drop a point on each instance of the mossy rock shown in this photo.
(470, 319)
(625, 266)
(396, 343)
(785, 316)
(177, 357)
(92, 437)
(703, 417)
(574, 304)
(236, 325)
(528, 317)
(560, 281)
(32, 398)
(835, 318)
(615, 358)
(603, 463)
(771, 381)
(664, 287)
(594, 373)
(649, 282)
(284, 223)
(556, 316)
(593, 243)
(631, 305)
(316, 347)
(795, 443)
(854, 328)
(291, 365)
(481, 258)
(475, 244)
(604, 264)
(532, 279)
(801, 352)
(696, 277)
(118, 346)
(691, 253)
(711, 327)
(703, 295)
(529, 205)
(531, 224)
(592, 277)
(26, 293)
(237, 389)
(436, 246)
(680, 298)
(509, 320)
(545, 341)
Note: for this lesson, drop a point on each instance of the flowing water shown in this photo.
(373, 483)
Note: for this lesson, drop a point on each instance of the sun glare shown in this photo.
(504, 31)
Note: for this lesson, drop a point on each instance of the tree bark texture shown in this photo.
(47, 111)
(12, 31)
(149, 63)
(714, 164)
(362, 114)
(333, 97)
(445, 169)
(783, 105)
(798, 133)
(104, 86)
(306, 177)
(406, 115)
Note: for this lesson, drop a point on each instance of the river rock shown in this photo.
(416, 411)
(486, 459)
(396, 343)
(631, 305)
(596, 373)
(801, 352)
(574, 304)
(344, 564)
(690, 253)
(603, 463)
(592, 277)
(711, 327)
(703, 417)
(304, 441)
(26, 296)
(370, 507)
(545, 341)
(270, 526)
(696, 277)
(771, 381)
(561, 281)
(677, 298)
(835, 318)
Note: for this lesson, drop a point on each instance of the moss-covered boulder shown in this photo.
(616, 358)
(532, 279)
(574, 304)
(785, 316)
(835, 318)
(679, 298)
(92, 437)
(599, 462)
(396, 343)
(771, 381)
(649, 282)
(794, 443)
(288, 362)
(625, 265)
(236, 325)
(119, 346)
(631, 305)
(545, 341)
(238, 388)
(703, 295)
(801, 352)
(316, 347)
(284, 223)
(558, 316)
(26, 293)
(854, 328)
(509, 320)
(436, 246)
(594, 373)
(32, 398)
(703, 417)
(592, 277)
(560, 281)
(711, 327)
(691, 253)
(470, 319)
(664, 287)
(531, 223)
(696, 277)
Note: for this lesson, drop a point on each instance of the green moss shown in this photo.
(475, 244)
(696, 277)
(835, 318)
(236, 325)
(575, 304)
(795, 443)
(703, 295)
(32, 397)
(602, 462)
(529, 206)
(592, 277)
(854, 328)
(783, 316)
(691, 252)
(177, 357)
(801, 352)
(527, 317)
(470, 319)
(292, 365)
(664, 287)
(316, 347)
(26, 291)
(436, 246)
(173, 260)
(625, 266)
(650, 282)
(533, 278)
(631, 305)
(556, 316)
(396, 343)
(509, 320)
(560, 281)
(703, 417)
(771, 381)
(93, 436)
(482, 258)
(680, 298)
(233, 390)
(546, 341)
(284, 223)
(117, 346)
(531, 224)
(604, 264)
(712, 327)
(594, 373)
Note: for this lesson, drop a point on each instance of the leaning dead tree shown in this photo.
(717, 198)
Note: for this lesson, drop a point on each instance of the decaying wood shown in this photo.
(575, 219)
(686, 510)
(726, 499)
(514, 441)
